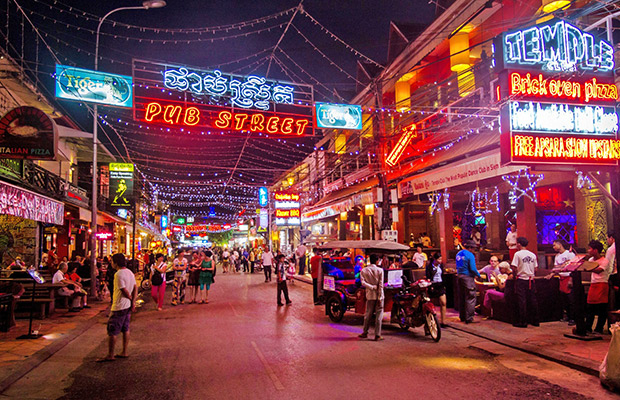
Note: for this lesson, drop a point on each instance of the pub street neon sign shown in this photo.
(253, 92)
(554, 46)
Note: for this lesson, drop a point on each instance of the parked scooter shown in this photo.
(413, 307)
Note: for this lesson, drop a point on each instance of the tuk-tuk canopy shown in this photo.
(382, 245)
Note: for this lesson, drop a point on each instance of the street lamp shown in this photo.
(93, 223)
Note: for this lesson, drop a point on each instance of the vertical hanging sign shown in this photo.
(121, 185)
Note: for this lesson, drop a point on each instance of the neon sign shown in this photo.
(562, 118)
(564, 149)
(254, 92)
(554, 46)
(104, 235)
(409, 133)
(340, 116)
(287, 209)
(263, 196)
(205, 116)
(531, 85)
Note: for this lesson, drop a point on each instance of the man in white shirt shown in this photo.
(300, 253)
(527, 305)
(225, 260)
(71, 290)
(420, 257)
(123, 304)
(598, 294)
(267, 260)
(511, 240)
(371, 278)
(614, 279)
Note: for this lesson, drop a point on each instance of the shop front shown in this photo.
(23, 217)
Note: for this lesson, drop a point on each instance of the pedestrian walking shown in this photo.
(179, 265)
(268, 261)
(205, 280)
(434, 273)
(158, 291)
(300, 253)
(225, 260)
(281, 271)
(244, 260)
(371, 278)
(466, 272)
(527, 305)
(123, 304)
(194, 277)
(252, 258)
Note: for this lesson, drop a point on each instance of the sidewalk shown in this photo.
(304, 278)
(18, 357)
(546, 341)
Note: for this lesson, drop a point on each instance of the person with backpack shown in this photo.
(158, 281)
(207, 272)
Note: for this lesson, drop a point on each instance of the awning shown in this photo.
(83, 143)
(342, 200)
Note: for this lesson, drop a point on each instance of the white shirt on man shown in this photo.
(526, 264)
(267, 258)
(123, 279)
(371, 278)
(301, 251)
(610, 255)
(58, 277)
(419, 259)
(561, 258)
(601, 276)
(511, 240)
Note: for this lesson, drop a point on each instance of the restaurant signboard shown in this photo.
(26, 204)
(287, 209)
(28, 133)
(339, 116)
(558, 96)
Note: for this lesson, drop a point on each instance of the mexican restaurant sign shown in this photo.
(26, 204)
(559, 96)
(211, 101)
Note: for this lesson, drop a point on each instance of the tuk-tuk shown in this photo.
(340, 280)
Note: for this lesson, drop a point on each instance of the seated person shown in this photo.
(500, 281)
(420, 258)
(491, 270)
(72, 289)
(17, 265)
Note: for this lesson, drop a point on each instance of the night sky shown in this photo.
(69, 32)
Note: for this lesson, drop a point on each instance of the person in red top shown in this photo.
(315, 265)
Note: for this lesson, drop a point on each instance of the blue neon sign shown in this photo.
(250, 92)
(263, 196)
(555, 46)
(339, 116)
(94, 86)
(164, 221)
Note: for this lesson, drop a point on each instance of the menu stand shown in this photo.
(36, 278)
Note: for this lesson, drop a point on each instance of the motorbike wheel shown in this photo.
(335, 308)
(401, 319)
(431, 325)
(145, 284)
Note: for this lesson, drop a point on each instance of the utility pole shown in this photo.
(379, 129)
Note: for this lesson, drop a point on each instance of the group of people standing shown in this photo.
(197, 274)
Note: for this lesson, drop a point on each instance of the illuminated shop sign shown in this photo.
(93, 86)
(408, 134)
(340, 116)
(28, 133)
(211, 101)
(245, 92)
(164, 221)
(198, 229)
(527, 85)
(105, 235)
(121, 185)
(554, 46)
(263, 196)
(553, 149)
(527, 116)
(287, 209)
(26, 204)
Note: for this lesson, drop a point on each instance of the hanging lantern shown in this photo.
(459, 51)
(549, 6)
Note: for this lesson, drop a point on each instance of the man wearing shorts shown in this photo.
(123, 303)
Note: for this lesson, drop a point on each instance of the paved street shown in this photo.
(242, 346)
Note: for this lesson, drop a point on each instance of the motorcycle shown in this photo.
(413, 307)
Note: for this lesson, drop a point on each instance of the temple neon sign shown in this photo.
(537, 85)
(555, 46)
(252, 92)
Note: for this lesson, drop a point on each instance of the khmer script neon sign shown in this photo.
(245, 92)
(554, 46)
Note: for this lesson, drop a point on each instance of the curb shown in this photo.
(587, 366)
(303, 279)
(40, 356)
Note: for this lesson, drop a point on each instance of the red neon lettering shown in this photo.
(272, 124)
(172, 114)
(256, 124)
(409, 133)
(192, 116)
(223, 119)
(562, 148)
(240, 120)
(301, 126)
(152, 110)
(287, 126)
